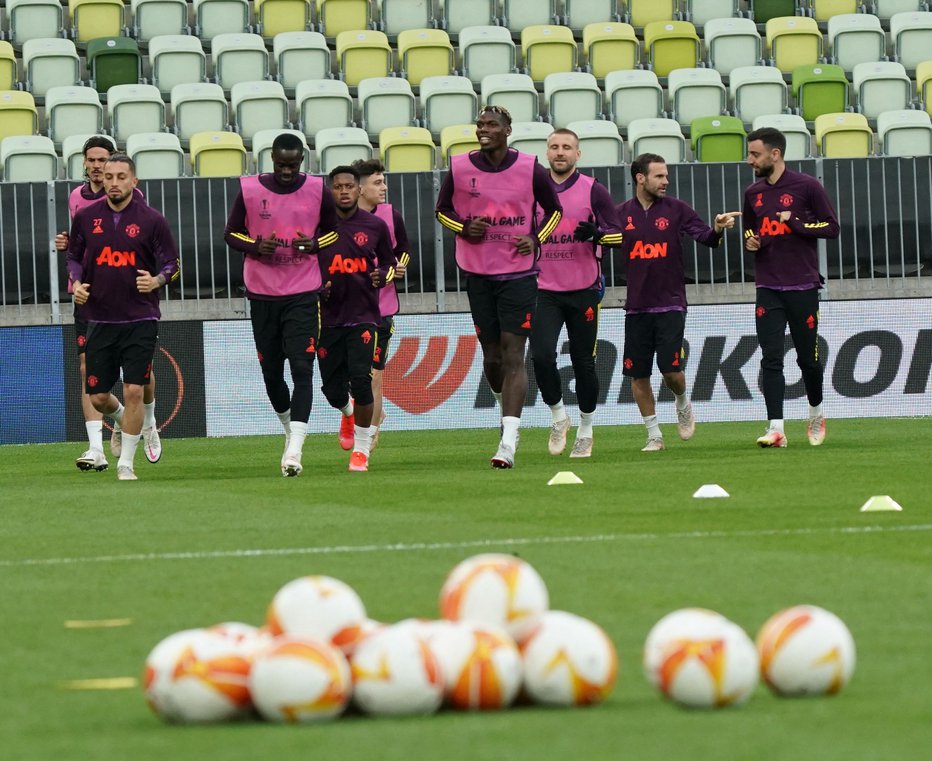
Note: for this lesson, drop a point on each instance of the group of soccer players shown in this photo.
(321, 256)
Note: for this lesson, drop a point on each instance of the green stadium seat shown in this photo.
(322, 104)
(701, 12)
(397, 15)
(133, 109)
(644, 12)
(718, 138)
(238, 58)
(113, 61)
(819, 89)
(198, 107)
(823, 10)
(911, 34)
(216, 17)
(456, 15)
(764, 10)
(258, 106)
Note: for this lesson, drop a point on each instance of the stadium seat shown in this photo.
(50, 63)
(578, 14)
(793, 127)
(341, 145)
(322, 104)
(200, 107)
(793, 41)
(764, 10)
(843, 135)
(717, 138)
(819, 89)
(446, 101)
(661, 136)
(424, 53)
(456, 139)
(407, 149)
(113, 61)
(907, 132)
(757, 90)
(644, 12)
(134, 108)
(610, 47)
(924, 84)
(456, 15)
(176, 59)
(218, 154)
(397, 15)
(258, 105)
(631, 95)
(238, 58)
(887, 9)
(278, 16)
(911, 34)
(546, 50)
(572, 96)
(72, 152)
(518, 14)
(262, 149)
(385, 102)
(8, 76)
(362, 55)
(91, 19)
(694, 93)
(881, 86)
(516, 92)
(599, 143)
(158, 155)
(671, 45)
(72, 111)
(531, 137)
(154, 18)
(855, 38)
(731, 43)
(18, 114)
(486, 50)
(300, 55)
(33, 20)
(337, 16)
(216, 17)
(28, 158)
(823, 10)
(701, 12)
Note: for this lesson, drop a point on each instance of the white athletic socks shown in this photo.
(585, 425)
(815, 411)
(148, 414)
(510, 431)
(557, 412)
(297, 431)
(118, 414)
(129, 449)
(682, 401)
(95, 435)
(285, 418)
(653, 427)
(362, 438)
(776, 425)
(348, 409)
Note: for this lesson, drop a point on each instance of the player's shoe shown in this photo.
(347, 434)
(558, 431)
(772, 438)
(686, 423)
(504, 458)
(654, 444)
(116, 440)
(816, 430)
(582, 448)
(125, 473)
(152, 444)
(92, 459)
(291, 465)
(359, 462)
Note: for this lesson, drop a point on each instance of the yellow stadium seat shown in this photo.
(18, 115)
(424, 53)
(643, 12)
(218, 154)
(823, 10)
(924, 84)
(844, 135)
(407, 149)
(793, 41)
(671, 45)
(95, 18)
(456, 139)
(610, 47)
(337, 16)
(7, 66)
(277, 16)
(547, 50)
(363, 54)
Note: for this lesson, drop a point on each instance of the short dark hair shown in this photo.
(499, 111)
(98, 141)
(770, 137)
(368, 167)
(287, 141)
(122, 158)
(642, 163)
(563, 131)
(343, 169)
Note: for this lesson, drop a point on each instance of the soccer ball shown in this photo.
(396, 672)
(319, 607)
(568, 660)
(806, 650)
(246, 638)
(480, 663)
(701, 660)
(196, 676)
(501, 590)
(300, 681)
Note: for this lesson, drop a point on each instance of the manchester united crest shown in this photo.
(786, 200)
(661, 223)
(361, 238)
(132, 230)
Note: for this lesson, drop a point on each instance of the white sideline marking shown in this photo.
(350, 549)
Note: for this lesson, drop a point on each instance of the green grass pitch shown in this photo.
(212, 531)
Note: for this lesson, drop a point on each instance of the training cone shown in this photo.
(709, 491)
(880, 504)
(564, 477)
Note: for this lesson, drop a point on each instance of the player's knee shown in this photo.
(361, 387)
(302, 369)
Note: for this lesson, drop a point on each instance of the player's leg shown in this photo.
(136, 348)
(482, 306)
(547, 326)
(802, 311)
(671, 361)
(638, 360)
(151, 441)
(582, 327)
(361, 341)
(266, 333)
(93, 458)
(770, 323)
(300, 329)
(386, 329)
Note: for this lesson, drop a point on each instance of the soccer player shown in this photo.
(356, 266)
(785, 213)
(121, 251)
(97, 151)
(372, 192)
(570, 284)
(281, 221)
(653, 225)
(488, 198)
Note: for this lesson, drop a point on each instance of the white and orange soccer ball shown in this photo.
(701, 659)
(568, 660)
(395, 672)
(246, 638)
(496, 589)
(480, 663)
(197, 676)
(300, 680)
(806, 650)
(319, 607)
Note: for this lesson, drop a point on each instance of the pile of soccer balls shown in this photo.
(497, 642)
